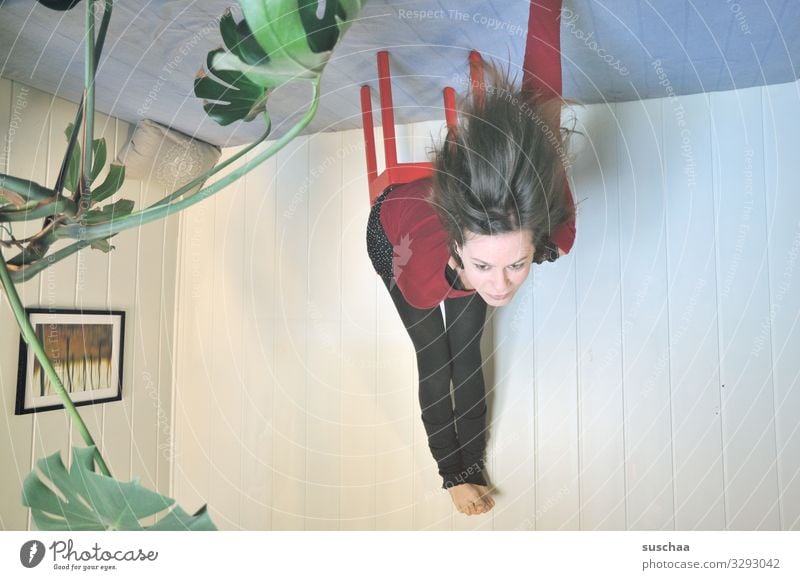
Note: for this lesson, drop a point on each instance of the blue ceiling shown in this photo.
(613, 50)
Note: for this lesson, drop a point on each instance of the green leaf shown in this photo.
(60, 5)
(74, 166)
(278, 28)
(109, 212)
(98, 157)
(82, 500)
(111, 184)
(102, 245)
(346, 16)
(278, 41)
(321, 33)
(239, 40)
(235, 96)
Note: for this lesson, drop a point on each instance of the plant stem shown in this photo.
(76, 124)
(33, 341)
(88, 102)
(63, 205)
(26, 189)
(28, 271)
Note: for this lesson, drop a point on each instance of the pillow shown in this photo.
(162, 155)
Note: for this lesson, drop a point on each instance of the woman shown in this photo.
(467, 237)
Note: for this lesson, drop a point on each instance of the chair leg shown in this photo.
(369, 138)
(387, 110)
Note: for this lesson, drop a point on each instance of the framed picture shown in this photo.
(86, 349)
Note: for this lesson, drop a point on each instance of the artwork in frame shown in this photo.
(86, 349)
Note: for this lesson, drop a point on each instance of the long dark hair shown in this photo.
(502, 169)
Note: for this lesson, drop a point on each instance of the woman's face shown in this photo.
(497, 265)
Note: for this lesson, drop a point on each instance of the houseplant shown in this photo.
(277, 41)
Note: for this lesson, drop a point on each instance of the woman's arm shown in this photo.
(542, 74)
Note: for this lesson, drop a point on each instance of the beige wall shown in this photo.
(135, 434)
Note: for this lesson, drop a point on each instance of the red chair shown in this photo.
(397, 173)
(541, 74)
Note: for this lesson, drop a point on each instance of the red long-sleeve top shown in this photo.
(420, 245)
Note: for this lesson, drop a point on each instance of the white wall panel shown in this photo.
(693, 320)
(258, 354)
(747, 388)
(597, 253)
(648, 414)
(194, 357)
(227, 364)
(510, 400)
(781, 175)
(324, 339)
(358, 313)
(291, 320)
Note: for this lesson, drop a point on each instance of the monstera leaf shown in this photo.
(60, 5)
(277, 42)
(82, 500)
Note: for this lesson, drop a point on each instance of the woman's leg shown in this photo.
(427, 332)
(465, 319)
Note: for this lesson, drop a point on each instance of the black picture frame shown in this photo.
(87, 350)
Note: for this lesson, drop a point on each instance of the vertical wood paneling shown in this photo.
(193, 387)
(291, 296)
(91, 266)
(147, 420)
(782, 174)
(57, 283)
(648, 413)
(15, 431)
(166, 357)
(510, 400)
(489, 350)
(324, 361)
(602, 485)
(748, 410)
(358, 410)
(227, 372)
(693, 341)
(555, 478)
(118, 442)
(259, 361)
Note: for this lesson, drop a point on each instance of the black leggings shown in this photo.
(457, 441)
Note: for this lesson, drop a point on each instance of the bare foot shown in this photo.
(485, 496)
(471, 499)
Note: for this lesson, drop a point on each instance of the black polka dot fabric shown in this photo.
(379, 248)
